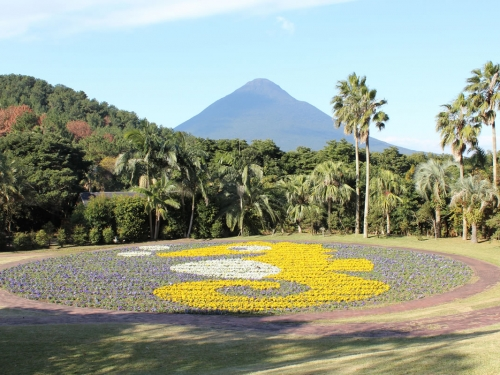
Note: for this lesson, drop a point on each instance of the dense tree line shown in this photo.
(56, 143)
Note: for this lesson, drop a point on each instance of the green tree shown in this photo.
(51, 168)
(474, 195)
(356, 108)
(329, 185)
(432, 182)
(248, 196)
(130, 219)
(459, 130)
(193, 173)
(298, 195)
(8, 189)
(386, 191)
(158, 197)
(484, 87)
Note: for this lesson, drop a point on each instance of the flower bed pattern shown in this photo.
(310, 278)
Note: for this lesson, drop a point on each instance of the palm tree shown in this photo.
(248, 196)
(151, 155)
(432, 182)
(9, 192)
(459, 130)
(193, 172)
(356, 108)
(484, 87)
(158, 195)
(370, 113)
(386, 189)
(346, 114)
(298, 195)
(474, 195)
(328, 184)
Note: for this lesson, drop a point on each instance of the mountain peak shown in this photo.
(264, 87)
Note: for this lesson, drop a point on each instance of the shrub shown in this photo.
(80, 235)
(49, 229)
(108, 235)
(62, 238)
(42, 239)
(217, 230)
(78, 215)
(130, 218)
(23, 241)
(95, 236)
(99, 213)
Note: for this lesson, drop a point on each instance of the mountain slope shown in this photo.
(262, 110)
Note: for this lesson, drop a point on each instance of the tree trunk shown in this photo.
(473, 236)
(437, 226)
(388, 224)
(367, 189)
(358, 221)
(157, 226)
(464, 220)
(191, 220)
(329, 213)
(299, 228)
(150, 224)
(494, 150)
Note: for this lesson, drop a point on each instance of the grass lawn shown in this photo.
(159, 349)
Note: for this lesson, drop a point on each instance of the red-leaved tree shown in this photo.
(80, 129)
(9, 116)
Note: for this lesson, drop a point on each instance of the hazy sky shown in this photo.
(168, 60)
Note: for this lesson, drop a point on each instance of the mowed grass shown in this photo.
(160, 349)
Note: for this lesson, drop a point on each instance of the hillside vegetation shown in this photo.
(56, 143)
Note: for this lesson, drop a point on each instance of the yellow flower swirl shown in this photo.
(307, 264)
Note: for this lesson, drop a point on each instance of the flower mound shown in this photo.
(300, 278)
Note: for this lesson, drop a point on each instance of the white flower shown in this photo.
(228, 269)
(154, 247)
(250, 249)
(134, 254)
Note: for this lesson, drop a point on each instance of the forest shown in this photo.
(56, 143)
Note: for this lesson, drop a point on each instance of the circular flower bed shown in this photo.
(265, 278)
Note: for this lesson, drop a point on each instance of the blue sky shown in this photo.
(168, 60)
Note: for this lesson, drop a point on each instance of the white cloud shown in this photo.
(286, 25)
(28, 17)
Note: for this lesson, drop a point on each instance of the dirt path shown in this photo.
(27, 312)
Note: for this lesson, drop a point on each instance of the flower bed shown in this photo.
(250, 277)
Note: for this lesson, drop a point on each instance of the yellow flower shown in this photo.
(307, 264)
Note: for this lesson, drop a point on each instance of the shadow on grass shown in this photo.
(203, 348)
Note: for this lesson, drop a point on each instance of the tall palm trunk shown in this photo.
(151, 224)
(191, 220)
(494, 147)
(437, 225)
(464, 219)
(358, 221)
(473, 237)
(367, 189)
(157, 224)
(329, 213)
(388, 224)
